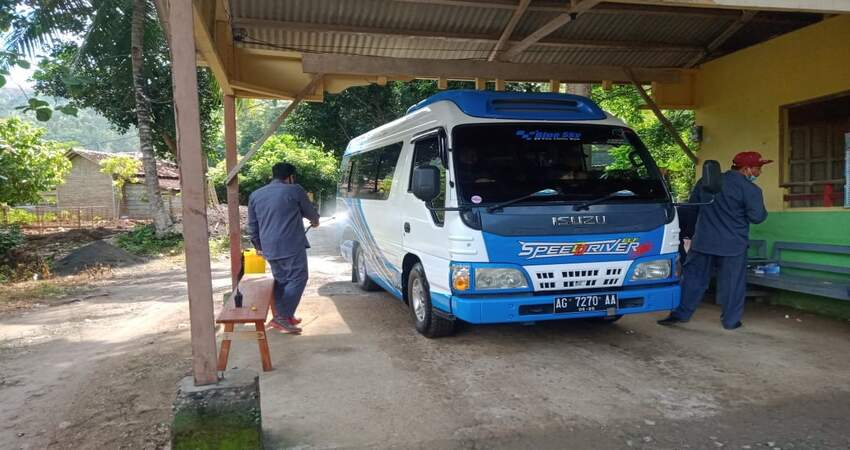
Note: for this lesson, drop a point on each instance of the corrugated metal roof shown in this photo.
(376, 14)
(640, 28)
(399, 26)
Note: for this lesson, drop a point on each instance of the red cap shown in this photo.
(749, 159)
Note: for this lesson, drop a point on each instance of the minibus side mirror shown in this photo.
(712, 182)
(426, 183)
(711, 176)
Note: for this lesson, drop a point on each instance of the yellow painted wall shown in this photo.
(740, 95)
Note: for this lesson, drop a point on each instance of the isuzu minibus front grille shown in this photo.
(562, 277)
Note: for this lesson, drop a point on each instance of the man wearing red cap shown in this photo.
(721, 238)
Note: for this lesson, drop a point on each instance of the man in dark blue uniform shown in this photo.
(721, 238)
(275, 219)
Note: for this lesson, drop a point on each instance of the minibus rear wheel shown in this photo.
(419, 301)
(358, 269)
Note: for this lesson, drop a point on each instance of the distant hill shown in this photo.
(88, 130)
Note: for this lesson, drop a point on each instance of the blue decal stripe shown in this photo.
(532, 250)
(388, 276)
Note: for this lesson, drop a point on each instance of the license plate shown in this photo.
(583, 303)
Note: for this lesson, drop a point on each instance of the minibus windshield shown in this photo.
(499, 162)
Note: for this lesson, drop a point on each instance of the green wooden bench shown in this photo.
(826, 280)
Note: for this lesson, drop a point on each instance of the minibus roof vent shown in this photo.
(518, 105)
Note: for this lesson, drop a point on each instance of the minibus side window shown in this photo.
(345, 178)
(371, 172)
(426, 152)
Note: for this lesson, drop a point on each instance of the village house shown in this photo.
(86, 187)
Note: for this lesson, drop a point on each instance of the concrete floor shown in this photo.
(361, 377)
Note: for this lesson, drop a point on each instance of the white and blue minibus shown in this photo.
(494, 207)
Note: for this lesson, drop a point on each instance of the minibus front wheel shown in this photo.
(427, 322)
(358, 271)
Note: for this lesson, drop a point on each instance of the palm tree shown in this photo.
(47, 21)
(161, 218)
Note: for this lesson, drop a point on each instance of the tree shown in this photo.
(29, 165)
(161, 219)
(24, 28)
(359, 109)
(317, 169)
(624, 102)
(121, 61)
(98, 75)
(122, 169)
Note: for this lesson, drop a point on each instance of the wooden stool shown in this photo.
(257, 295)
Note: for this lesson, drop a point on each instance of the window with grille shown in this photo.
(815, 152)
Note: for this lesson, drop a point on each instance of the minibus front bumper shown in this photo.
(528, 307)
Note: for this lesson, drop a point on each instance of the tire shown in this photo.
(427, 323)
(358, 272)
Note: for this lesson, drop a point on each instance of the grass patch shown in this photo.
(27, 293)
(50, 291)
(143, 241)
(219, 246)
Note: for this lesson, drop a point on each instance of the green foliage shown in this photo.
(20, 217)
(624, 102)
(104, 83)
(356, 110)
(86, 129)
(219, 246)
(143, 241)
(96, 72)
(8, 61)
(122, 168)
(42, 109)
(29, 164)
(317, 169)
(10, 237)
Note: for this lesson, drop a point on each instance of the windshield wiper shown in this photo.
(540, 193)
(618, 194)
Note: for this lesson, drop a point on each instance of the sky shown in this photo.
(20, 77)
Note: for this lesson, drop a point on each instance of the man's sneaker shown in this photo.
(294, 320)
(737, 325)
(670, 320)
(284, 326)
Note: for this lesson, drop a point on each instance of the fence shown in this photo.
(42, 218)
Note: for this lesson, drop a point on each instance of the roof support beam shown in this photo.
(260, 90)
(470, 70)
(222, 32)
(457, 37)
(509, 28)
(814, 6)
(660, 115)
(184, 73)
(549, 28)
(657, 8)
(207, 48)
(746, 16)
(233, 172)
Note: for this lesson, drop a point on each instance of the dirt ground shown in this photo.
(102, 373)
(99, 373)
(361, 377)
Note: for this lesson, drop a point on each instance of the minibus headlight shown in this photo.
(652, 270)
(460, 278)
(499, 278)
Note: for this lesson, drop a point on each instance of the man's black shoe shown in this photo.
(737, 325)
(670, 320)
